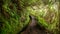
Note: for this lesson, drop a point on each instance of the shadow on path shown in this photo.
(34, 28)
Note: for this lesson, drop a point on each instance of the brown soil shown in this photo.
(33, 28)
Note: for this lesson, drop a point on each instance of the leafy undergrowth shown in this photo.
(14, 15)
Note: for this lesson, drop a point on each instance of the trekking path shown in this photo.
(34, 29)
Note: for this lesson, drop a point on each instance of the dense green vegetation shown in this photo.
(14, 15)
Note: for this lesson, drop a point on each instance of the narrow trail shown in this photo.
(34, 29)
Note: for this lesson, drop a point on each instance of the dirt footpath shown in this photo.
(33, 28)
